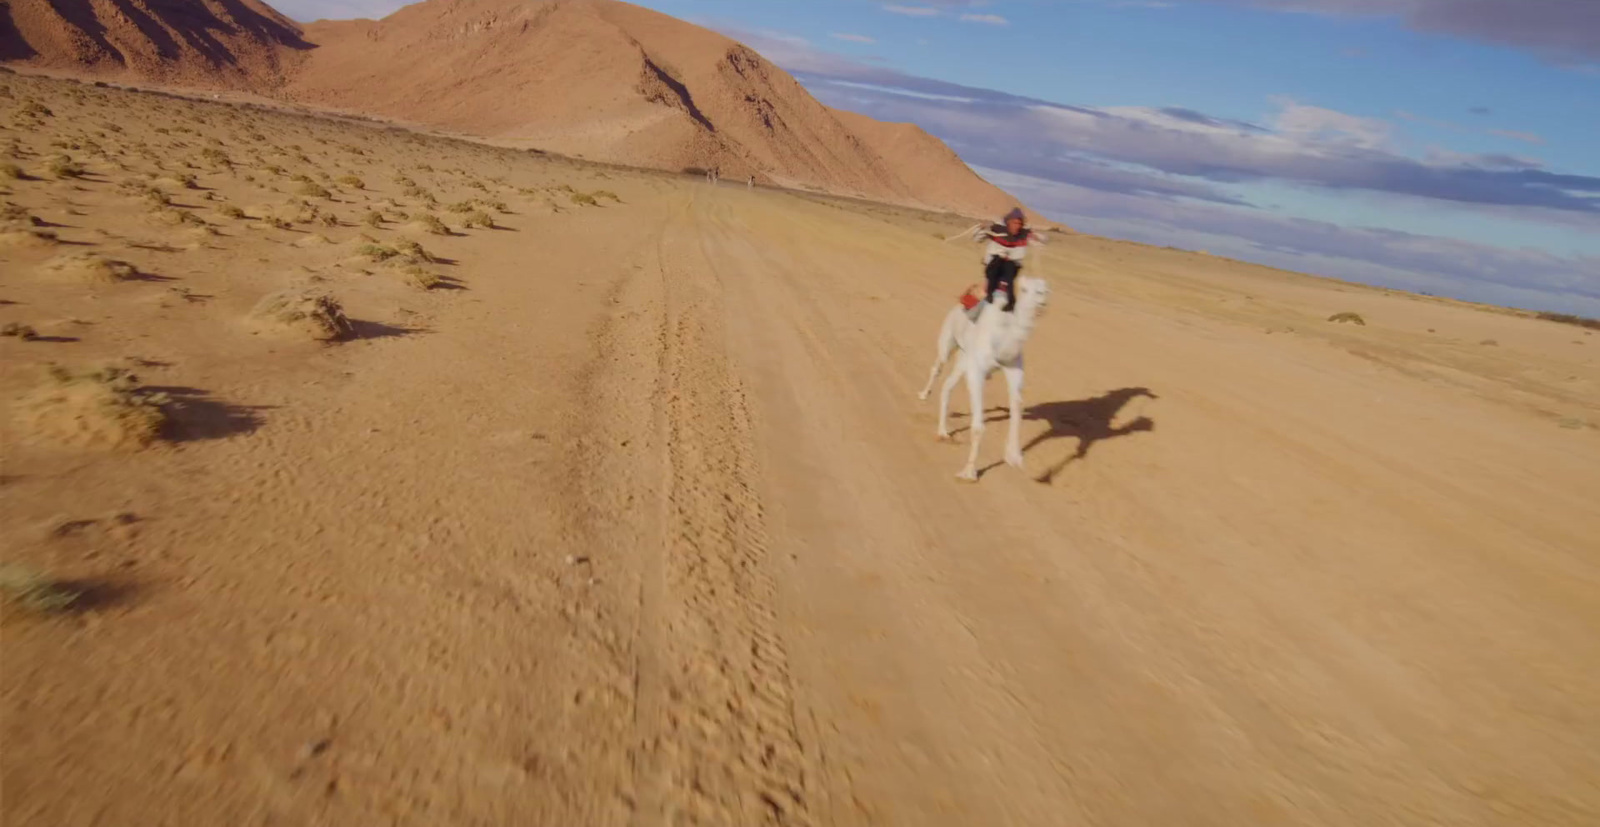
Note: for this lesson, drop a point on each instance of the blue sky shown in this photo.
(1450, 146)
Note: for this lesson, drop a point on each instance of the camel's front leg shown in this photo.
(1014, 436)
(944, 395)
(975, 393)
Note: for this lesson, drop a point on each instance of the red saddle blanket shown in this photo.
(970, 298)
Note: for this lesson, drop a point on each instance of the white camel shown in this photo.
(993, 342)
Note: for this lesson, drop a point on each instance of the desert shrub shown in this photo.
(421, 277)
(104, 407)
(32, 592)
(1568, 318)
(90, 268)
(377, 252)
(233, 212)
(280, 222)
(352, 182)
(607, 194)
(584, 199)
(33, 109)
(462, 206)
(216, 156)
(62, 166)
(1352, 318)
(414, 251)
(10, 172)
(431, 224)
(304, 311)
(19, 330)
(373, 218)
(479, 218)
(314, 190)
(497, 206)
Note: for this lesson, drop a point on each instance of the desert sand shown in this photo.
(617, 507)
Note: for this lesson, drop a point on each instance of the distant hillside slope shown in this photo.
(234, 44)
(597, 79)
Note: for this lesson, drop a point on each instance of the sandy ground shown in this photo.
(642, 524)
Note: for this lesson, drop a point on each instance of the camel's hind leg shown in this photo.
(947, 343)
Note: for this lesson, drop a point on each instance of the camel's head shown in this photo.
(1033, 292)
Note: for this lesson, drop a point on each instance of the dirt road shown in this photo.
(647, 527)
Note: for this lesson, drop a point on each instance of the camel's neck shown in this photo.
(1013, 331)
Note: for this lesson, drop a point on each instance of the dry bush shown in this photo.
(607, 194)
(176, 218)
(1568, 318)
(90, 268)
(19, 330)
(428, 223)
(479, 218)
(102, 408)
(32, 592)
(32, 109)
(414, 252)
(584, 199)
(373, 218)
(11, 172)
(312, 189)
(23, 238)
(377, 252)
(352, 182)
(304, 311)
(233, 212)
(421, 278)
(462, 206)
(1352, 318)
(62, 166)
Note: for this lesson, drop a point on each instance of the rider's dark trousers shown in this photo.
(1002, 271)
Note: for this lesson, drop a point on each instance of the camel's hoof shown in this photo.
(941, 438)
(922, 397)
(1014, 462)
(967, 477)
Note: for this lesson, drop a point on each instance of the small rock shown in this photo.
(575, 559)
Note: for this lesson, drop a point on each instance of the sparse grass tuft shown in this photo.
(1568, 318)
(11, 172)
(479, 218)
(233, 212)
(462, 206)
(377, 252)
(62, 166)
(421, 278)
(33, 109)
(584, 199)
(352, 182)
(431, 224)
(33, 592)
(312, 313)
(19, 330)
(414, 251)
(312, 189)
(373, 218)
(104, 407)
(1352, 318)
(607, 194)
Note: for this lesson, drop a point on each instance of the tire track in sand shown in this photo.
(715, 735)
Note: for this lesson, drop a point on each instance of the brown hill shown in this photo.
(234, 44)
(943, 179)
(596, 79)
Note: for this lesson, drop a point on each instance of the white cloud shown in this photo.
(991, 19)
(852, 38)
(912, 11)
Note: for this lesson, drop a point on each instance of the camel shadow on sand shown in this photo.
(1090, 421)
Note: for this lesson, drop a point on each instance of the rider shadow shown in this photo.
(1087, 420)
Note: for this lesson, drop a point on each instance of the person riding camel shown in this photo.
(1002, 258)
